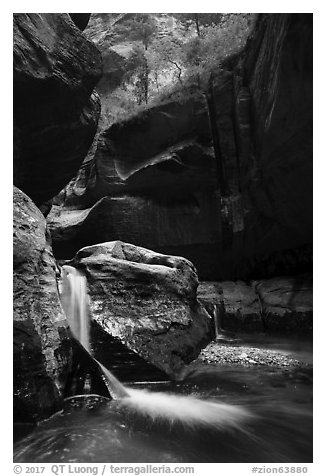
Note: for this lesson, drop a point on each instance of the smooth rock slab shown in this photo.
(147, 300)
(282, 305)
(236, 303)
(287, 304)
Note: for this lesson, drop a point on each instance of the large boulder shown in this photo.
(147, 301)
(42, 345)
(55, 109)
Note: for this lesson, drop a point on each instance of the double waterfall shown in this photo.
(154, 405)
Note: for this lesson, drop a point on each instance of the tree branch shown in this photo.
(178, 67)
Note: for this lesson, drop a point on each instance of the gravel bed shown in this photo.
(228, 353)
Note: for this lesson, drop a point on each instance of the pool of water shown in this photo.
(260, 414)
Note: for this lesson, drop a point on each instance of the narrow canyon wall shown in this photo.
(55, 119)
(278, 196)
(157, 179)
(55, 108)
(281, 305)
(42, 347)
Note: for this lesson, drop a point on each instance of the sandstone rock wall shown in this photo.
(55, 118)
(281, 305)
(42, 347)
(55, 109)
(278, 73)
(160, 164)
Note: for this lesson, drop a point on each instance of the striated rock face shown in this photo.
(55, 109)
(278, 188)
(159, 164)
(42, 346)
(170, 226)
(141, 138)
(163, 148)
(147, 300)
(184, 167)
(100, 31)
(282, 305)
(159, 191)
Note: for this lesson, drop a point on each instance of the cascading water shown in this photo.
(216, 320)
(74, 300)
(140, 425)
(154, 405)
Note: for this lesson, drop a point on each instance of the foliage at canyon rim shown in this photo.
(165, 55)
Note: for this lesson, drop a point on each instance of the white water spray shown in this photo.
(156, 406)
(189, 411)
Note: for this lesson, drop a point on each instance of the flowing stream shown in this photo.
(215, 415)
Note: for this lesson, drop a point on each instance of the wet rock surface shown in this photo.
(237, 304)
(125, 364)
(42, 346)
(147, 300)
(282, 305)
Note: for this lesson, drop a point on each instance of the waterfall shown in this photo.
(216, 320)
(156, 406)
(74, 299)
